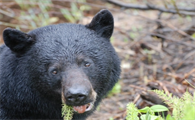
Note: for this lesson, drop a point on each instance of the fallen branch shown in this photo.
(182, 11)
(173, 40)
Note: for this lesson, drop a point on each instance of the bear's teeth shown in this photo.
(89, 107)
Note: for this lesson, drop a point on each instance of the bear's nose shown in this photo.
(76, 95)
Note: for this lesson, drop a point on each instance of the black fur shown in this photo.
(28, 91)
(102, 23)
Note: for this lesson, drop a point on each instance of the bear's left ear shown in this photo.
(102, 23)
(16, 40)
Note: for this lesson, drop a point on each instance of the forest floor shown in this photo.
(155, 54)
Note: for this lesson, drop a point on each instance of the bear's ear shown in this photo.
(102, 23)
(16, 40)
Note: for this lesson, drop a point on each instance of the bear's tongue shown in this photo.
(80, 109)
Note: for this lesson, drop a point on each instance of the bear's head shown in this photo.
(70, 62)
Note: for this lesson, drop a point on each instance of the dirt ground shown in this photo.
(155, 54)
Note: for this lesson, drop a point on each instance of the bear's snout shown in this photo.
(81, 97)
(78, 91)
(77, 94)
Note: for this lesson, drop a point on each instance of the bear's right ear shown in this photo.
(102, 23)
(16, 40)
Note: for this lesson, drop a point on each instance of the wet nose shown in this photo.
(76, 95)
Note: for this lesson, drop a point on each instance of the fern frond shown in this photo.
(132, 112)
(183, 108)
(67, 112)
(177, 108)
(187, 97)
(193, 101)
(168, 99)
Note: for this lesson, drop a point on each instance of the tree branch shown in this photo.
(182, 11)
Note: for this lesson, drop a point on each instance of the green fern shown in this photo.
(67, 112)
(166, 97)
(183, 108)
(132, 112)
(189, 106)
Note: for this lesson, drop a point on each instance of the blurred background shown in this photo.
(155, 40)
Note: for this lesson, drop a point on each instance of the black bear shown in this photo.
(73, 60)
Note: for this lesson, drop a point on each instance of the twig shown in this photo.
(152, 7)
(176, 29)
(163, 30)
(175, 6)
(15, 25)
(171, 39)
(137, 87)
(136, 98)
(186, 75)
(10, 14)
(163, 87)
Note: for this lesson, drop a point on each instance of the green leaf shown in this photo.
(67, 15)
(143, 117)
(144, 110)
(133, 35)
(193, 35)
(115, 90)
(74, 7)
(53, 20)
(169, 117)
(159, 108)
(111, 118)
(149, 117)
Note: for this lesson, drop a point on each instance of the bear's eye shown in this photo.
(54, 72)
(87, 64)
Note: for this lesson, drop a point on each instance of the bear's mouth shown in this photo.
(83, 108)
